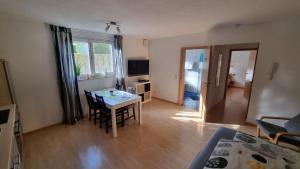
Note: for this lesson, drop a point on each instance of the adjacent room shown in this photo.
(193, 76)
(139, 84)
(233, 108)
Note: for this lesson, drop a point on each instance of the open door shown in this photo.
(205, 83)
(232, 69)
(194, 59)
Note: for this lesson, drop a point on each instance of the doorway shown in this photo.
(193, 78)
(233, 108)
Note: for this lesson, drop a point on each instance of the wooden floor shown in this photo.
(231, 110)
(169, 139)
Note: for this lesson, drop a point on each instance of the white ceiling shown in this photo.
(152, 18)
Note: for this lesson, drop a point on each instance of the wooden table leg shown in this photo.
(114, 122)
(140, 112)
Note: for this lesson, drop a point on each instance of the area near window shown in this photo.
(82, 58)
(93, 59)
(103, 60)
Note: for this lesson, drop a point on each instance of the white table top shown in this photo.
(117, 98)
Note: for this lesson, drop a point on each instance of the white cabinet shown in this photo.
(143, 89)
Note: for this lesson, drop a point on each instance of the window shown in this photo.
(93, 59)
(103, 58)
(82, 58)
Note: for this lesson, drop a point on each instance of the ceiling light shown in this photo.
(112, 23)
(107, 27)
(118, 29)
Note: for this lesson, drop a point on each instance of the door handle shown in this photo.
(206, 83)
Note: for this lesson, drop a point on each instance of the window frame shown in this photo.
(107, 74)
(84, 76)
(93, 74)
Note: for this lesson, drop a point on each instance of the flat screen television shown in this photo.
(138, 67)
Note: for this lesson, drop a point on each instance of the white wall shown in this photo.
(134, 48)
(28, 48)
(279, 42)
(238, 66)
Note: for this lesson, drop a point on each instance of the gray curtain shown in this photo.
(119, 63)
(67, 80)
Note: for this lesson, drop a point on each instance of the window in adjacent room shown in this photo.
(93, 59)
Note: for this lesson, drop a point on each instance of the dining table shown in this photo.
(115, 99)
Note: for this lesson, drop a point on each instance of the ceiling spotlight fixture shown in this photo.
(112, 24)
(238, 25)
(118, 29)
(107, 27)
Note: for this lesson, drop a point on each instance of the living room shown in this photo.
(157, 131)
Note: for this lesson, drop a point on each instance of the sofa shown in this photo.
(201, 158)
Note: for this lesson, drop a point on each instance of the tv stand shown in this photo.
(143, 89)
(143, 80)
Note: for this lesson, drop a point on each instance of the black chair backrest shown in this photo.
(89, 98)
(100, 102)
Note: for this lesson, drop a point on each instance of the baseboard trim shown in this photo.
(164, 100)
(238, 87)
(250, 124)
(28, 132)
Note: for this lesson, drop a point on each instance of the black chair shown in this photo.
(133, 112)
(105, 113)
(92, 106)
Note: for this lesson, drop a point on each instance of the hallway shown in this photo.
(231, 110)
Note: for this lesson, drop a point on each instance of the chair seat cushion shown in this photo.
(270, 129)
(95, 107)
(122, 109)
(200, 160)
(293, 125)
(290, 139)
(119, 111)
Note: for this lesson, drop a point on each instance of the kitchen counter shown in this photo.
(6, 137)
